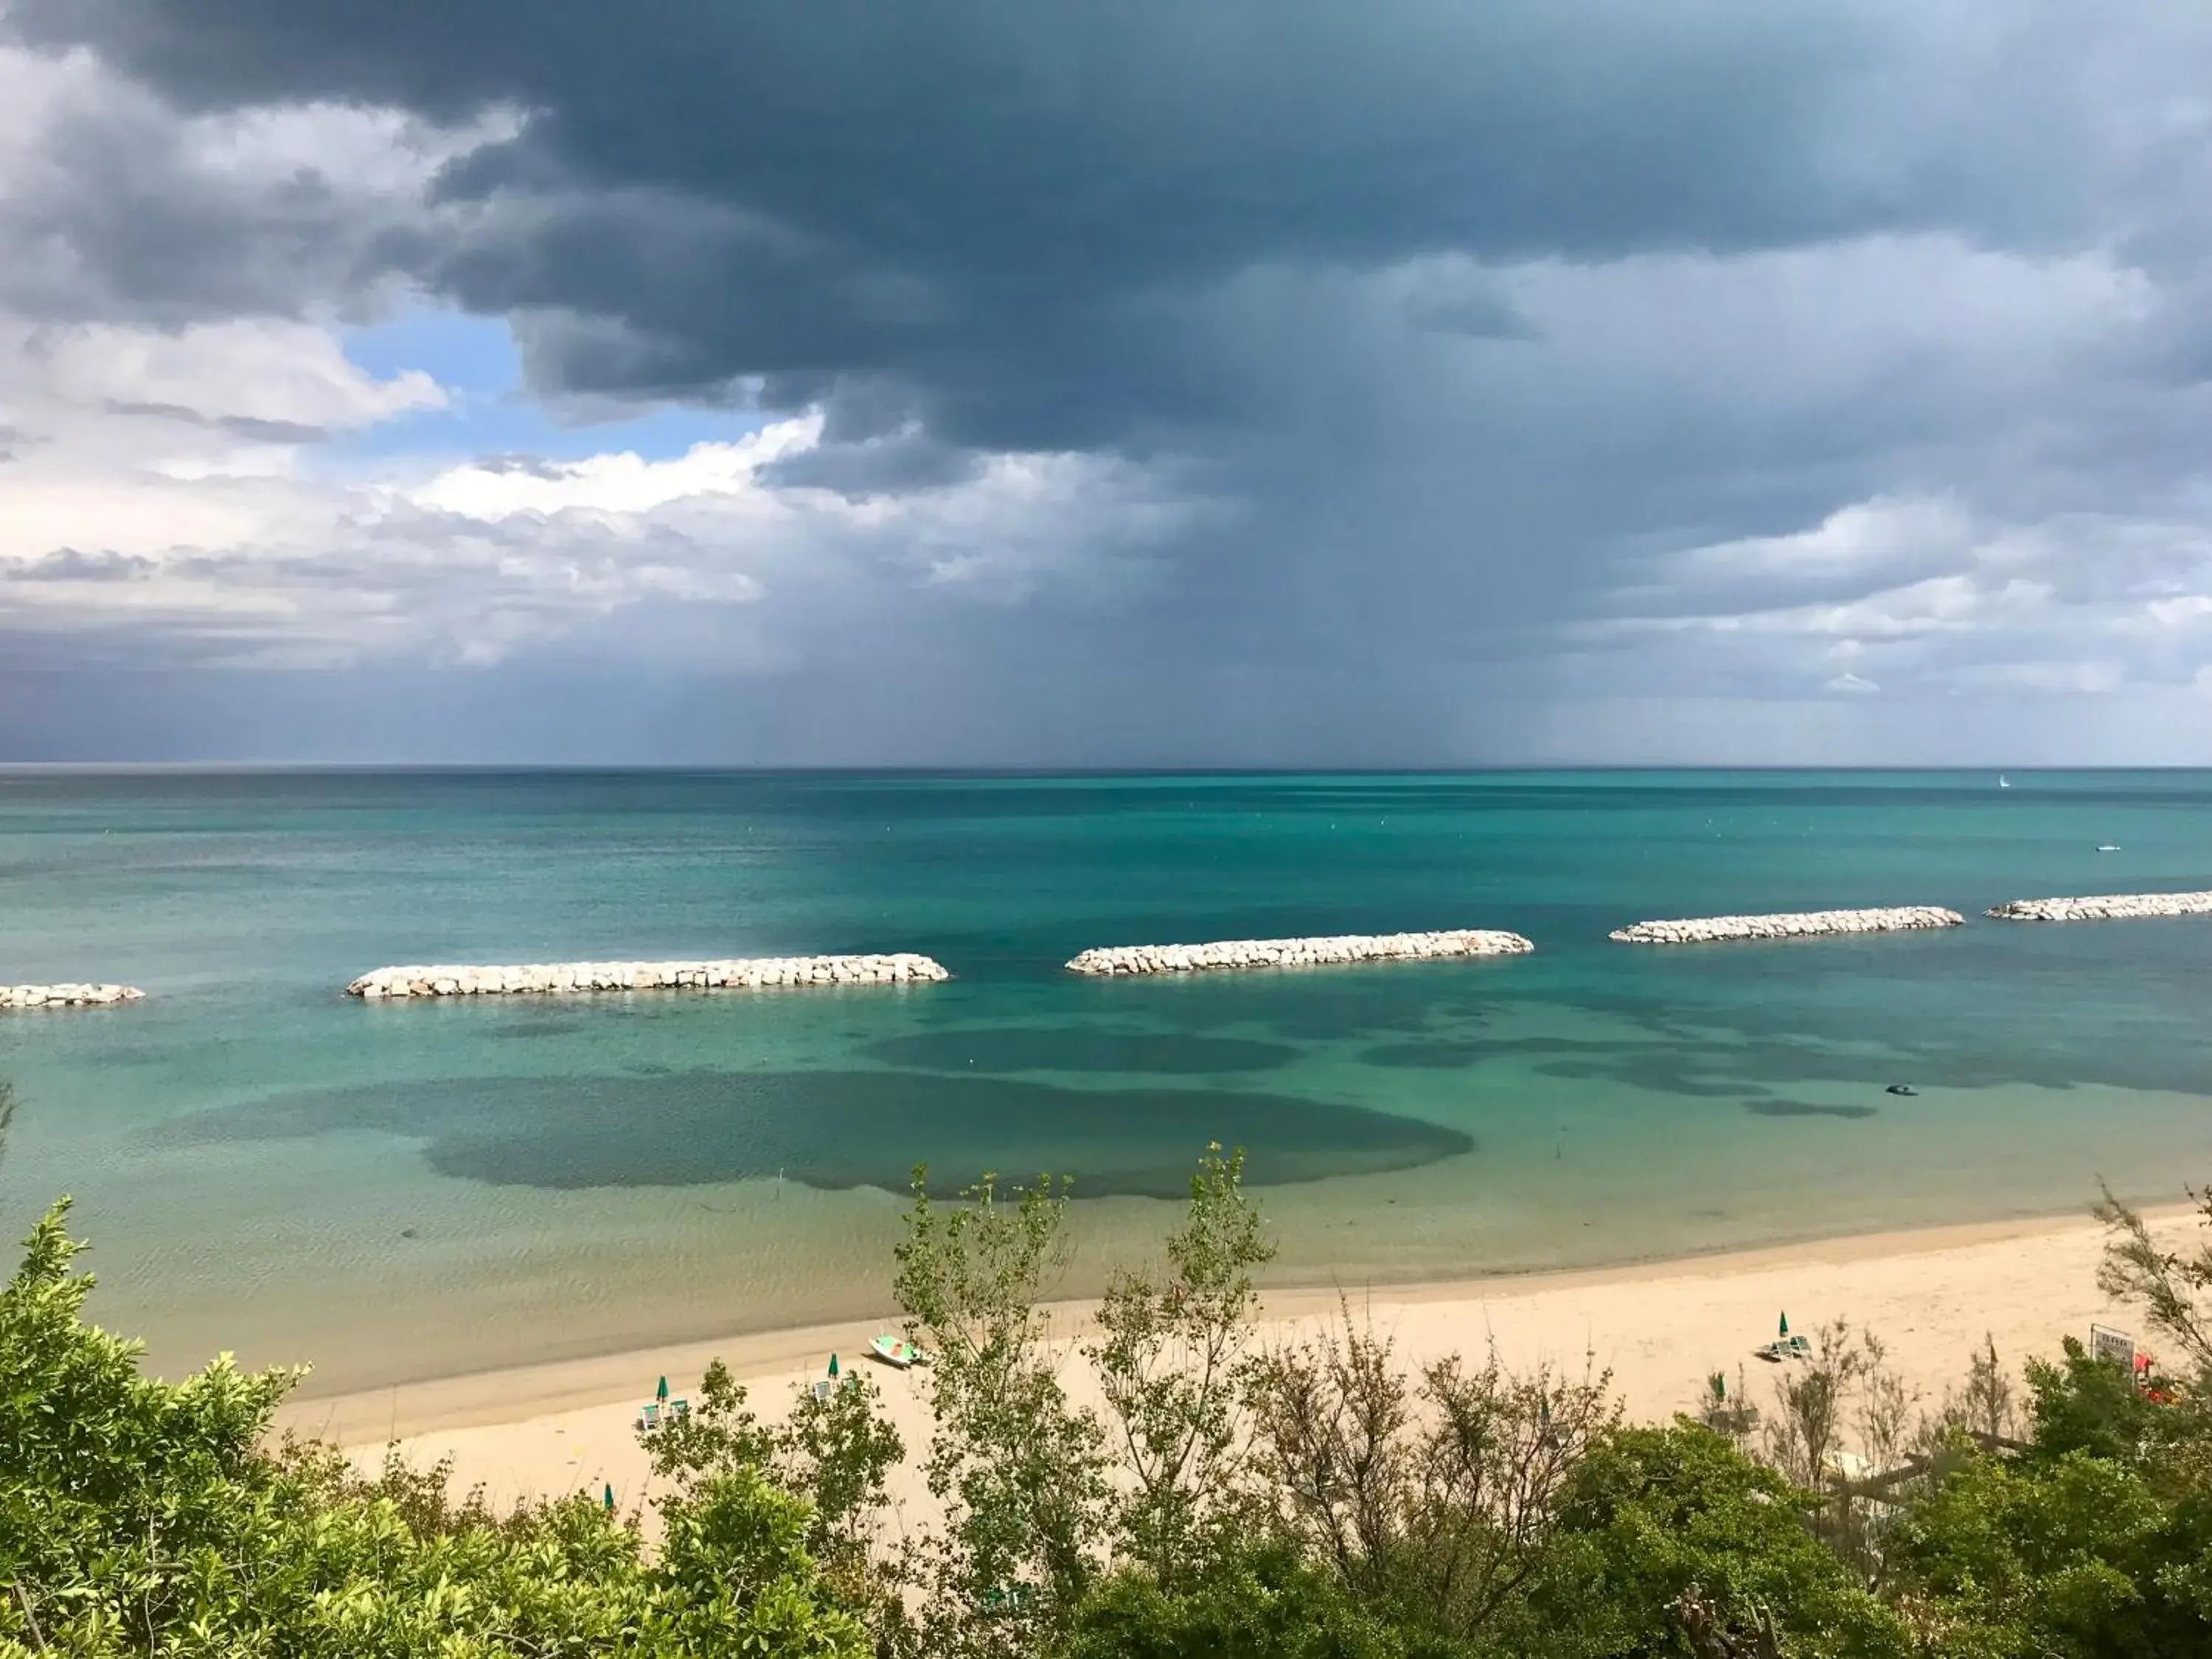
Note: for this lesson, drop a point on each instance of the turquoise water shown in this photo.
(397, 1192)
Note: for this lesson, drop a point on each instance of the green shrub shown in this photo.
(138, 1516)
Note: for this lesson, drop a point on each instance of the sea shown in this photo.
(399, 1192)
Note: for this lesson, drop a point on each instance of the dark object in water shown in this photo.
(1900, 1088)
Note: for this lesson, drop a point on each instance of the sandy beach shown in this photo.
(1931, 1295)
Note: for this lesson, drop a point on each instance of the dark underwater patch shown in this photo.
(1805, 1109)
(1078, 1048)
(837, 1129)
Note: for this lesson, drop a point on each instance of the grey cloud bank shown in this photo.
(1408, 384)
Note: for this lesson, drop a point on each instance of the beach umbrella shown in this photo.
(661, 1393)
(1785, 1324)
(833, 1365)
(610, 1498)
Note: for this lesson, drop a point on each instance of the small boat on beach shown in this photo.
(896, 1351)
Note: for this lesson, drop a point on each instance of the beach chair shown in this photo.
(824, 1387)
(1785, 1345)
(680, 1410)
(648, 1416)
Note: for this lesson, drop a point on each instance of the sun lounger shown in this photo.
(1784, 1347)
(648, 1416)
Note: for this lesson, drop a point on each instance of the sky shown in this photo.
(1016, 382)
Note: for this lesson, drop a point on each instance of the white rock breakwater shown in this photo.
(1800, 924)
(66, 996)
(1296, 952)
(553, 979)
(2112, 907)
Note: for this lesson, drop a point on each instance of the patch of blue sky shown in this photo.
(490, 413)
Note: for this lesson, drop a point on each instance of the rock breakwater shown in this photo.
(66, 996)
(2112, 907)
(555, 979)
(1296, 952)
(1798, 924)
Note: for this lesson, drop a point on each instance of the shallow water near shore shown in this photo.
(401, 1191)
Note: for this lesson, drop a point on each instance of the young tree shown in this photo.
(2172, 1287)
(836, 1450)
(1332, 1413)
(1987, 1405)
(1810, 1403)
(1170, 1358)
(1494, 1452)
(1730, 1414)
(1439, 1498)
(1886, 1408)
(719, 1435)
(839, 1449)
(1020, 1469)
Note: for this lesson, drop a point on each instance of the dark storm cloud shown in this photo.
(890, 465)
(1008, 207)
(1515, 354)
(1019, 217)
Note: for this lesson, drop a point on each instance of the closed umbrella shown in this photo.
(833, 1365)
(610, 1498)
(661, 1393)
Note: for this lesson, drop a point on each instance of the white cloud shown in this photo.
(158, 502)
(618, 483)
(1865, 537)
(2076, 605)
(282, 374)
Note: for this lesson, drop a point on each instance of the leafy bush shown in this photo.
(140, 1516)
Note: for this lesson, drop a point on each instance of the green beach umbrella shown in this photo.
(833, 1365)
(610, 1498)
(661, 1393)
(1785, 1324)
